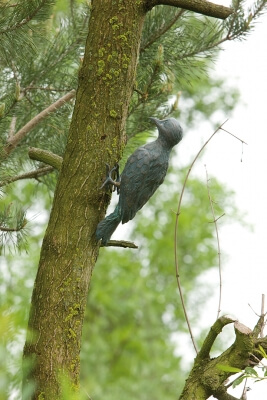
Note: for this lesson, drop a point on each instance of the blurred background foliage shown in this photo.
(134, 315)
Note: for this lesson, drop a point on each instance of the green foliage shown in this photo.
(41, 49)
(134, 307)
(134, 311)
(22, 24)
(30, 84)
(228, 368)
(249, 372)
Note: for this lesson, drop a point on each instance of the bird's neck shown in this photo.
(164, 144)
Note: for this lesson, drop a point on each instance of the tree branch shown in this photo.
(6, 229)
(221, 394)
(199, 6)
(45, 156)
(28, 175)
(121, 243)
(162, 30)
(215, 330)
(218, 243)
(13, 141)
(176, 261)
(24, 20)
(215, 371)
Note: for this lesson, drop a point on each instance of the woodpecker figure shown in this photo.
(144, 172)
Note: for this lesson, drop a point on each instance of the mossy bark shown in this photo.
(70, 250)
(208, 375)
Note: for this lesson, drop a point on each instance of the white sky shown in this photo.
(244, 64)
(244, 255)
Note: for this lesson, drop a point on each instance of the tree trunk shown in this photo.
(69, 250)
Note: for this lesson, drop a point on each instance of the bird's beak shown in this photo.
(155, 120)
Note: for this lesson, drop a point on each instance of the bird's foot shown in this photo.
(110, 182)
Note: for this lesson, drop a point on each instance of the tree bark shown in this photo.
(208, 375)
(199, 6)
(70, 250)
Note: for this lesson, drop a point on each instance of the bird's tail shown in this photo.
(107, 226)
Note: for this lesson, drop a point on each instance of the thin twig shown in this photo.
(176, 235)
(262, 314)
(28, 175)
(258, 361)
(176, 230)
(218, 244)
(228, 385)
(14, 140)
(253, 310)
(244, 393)
(234, 136)
(12, 127)
(6, 229)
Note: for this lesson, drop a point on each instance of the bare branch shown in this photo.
(215, 330)
(13, 141)
(45, 156)
(242, 141)
(176, 229)
(218, 243)
(262, 314)
(176, 235)
(259, 327)
(121, 243)
(221, 394)
(199, 6)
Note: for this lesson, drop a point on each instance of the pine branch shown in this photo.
(15, 219)
(162, 30)
(14, 140)
(27, 19)
(28, 175)
(6, 229)
(199, 6)
(45, 156)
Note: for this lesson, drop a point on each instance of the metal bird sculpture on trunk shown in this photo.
(144, 172)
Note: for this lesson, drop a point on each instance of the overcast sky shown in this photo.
(244, 252)
(244, 64)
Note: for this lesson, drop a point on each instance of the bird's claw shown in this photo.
(109, 182)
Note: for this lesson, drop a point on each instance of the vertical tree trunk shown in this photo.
(69, 250)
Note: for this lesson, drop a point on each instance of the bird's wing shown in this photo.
(142, 175)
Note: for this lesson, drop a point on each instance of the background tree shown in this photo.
(106, 81)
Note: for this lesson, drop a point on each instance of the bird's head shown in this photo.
(169, 130)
